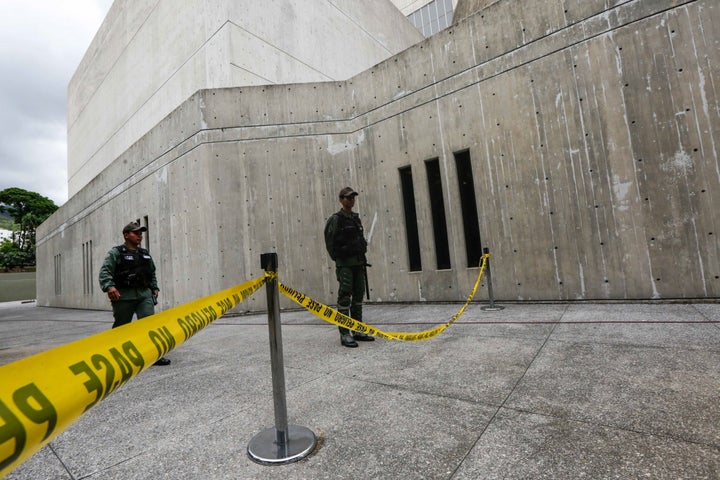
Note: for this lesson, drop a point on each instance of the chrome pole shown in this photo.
(284, 443)
(492, 307)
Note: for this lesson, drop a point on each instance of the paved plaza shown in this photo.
(533, 391)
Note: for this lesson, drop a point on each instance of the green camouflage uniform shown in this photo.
(349, 270)
(132, 300)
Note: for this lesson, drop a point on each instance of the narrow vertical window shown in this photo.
(468, 206)
(437, 208)
(84, 269)
(87, 268)
(146, 240)
(90, 267)
(58, 275)
(411, 226)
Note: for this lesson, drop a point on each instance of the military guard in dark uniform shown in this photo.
(128, 277)
(346, 244)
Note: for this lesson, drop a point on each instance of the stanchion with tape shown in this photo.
(42, 395)
(284, 443)
(492, 307)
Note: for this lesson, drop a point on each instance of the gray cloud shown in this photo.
(41, 44)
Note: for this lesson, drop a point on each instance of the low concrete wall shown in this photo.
(592, 134)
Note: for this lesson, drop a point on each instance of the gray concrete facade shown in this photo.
(591, 126)
(149, 56)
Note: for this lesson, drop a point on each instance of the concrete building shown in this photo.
(576, 140)
(150, 55)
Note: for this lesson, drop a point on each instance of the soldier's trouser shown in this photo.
(351, 290)
(123, 310)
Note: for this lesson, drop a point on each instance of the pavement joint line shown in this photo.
(703, 314)
(582, 421)
(59, 458)
(512, 390)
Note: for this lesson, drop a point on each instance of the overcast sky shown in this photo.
(41, 45)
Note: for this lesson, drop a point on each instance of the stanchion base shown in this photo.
(263, 447)
(494, 308)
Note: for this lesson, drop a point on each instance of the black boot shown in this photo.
(346, 338)
(363, 337)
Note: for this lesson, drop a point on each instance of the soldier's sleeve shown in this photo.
(107, 271)
(153, 280)
(330, 228)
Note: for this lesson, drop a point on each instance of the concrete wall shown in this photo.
(149, 56)
(465, 8)
(592, 131)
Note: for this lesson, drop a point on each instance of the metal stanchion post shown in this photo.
(492, 307)
(283, 443)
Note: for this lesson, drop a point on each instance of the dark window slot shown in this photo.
(411, 226)
(468, 206)
(437, 208)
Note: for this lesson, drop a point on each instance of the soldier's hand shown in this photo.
(113, 294)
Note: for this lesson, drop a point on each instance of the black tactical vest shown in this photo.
(349, 239)
(133, 268)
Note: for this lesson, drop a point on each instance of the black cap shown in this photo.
(348, 192)
(134, 227)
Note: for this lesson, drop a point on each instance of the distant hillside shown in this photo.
(6, 221)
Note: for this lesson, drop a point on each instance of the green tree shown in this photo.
(28, 210)
(11, 256)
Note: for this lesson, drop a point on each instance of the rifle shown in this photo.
(367, 285)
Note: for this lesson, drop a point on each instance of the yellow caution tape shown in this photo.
(333, 316)
(42, 395)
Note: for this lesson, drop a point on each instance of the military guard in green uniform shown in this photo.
(128, 277)
(346, 244)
